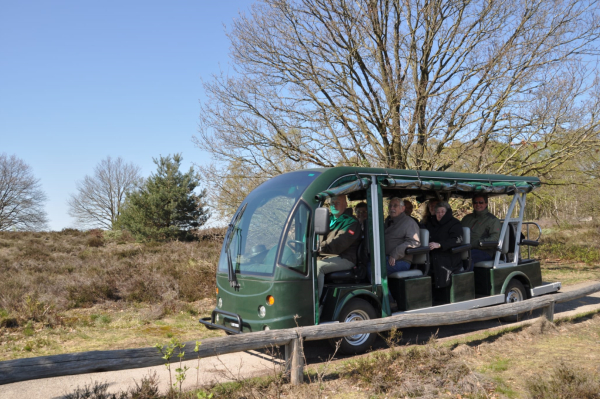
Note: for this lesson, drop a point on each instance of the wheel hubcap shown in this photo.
(514, 295)
(358, 339)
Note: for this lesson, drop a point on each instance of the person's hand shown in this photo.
(391, 261)
(434, 245)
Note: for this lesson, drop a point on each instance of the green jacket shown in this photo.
(484, 227)
(343, 238)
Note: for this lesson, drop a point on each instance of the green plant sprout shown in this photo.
(167, 351)
(181, 370)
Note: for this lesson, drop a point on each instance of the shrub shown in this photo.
(565, 382)
(96, 238)
(146, 389)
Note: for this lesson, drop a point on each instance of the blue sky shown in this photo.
(82, 80)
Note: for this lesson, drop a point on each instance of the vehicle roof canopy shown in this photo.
(424, 184)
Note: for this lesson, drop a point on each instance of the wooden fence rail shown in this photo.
(96, 361)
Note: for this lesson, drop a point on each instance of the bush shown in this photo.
(565, 382)
(96, 238)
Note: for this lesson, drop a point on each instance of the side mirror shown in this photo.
(322, 221)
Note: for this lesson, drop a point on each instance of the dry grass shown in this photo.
(45, 273)
(543, 360)
(431, 370)
(71, 290)
(111, 325)
(570, 254)
(524, 362)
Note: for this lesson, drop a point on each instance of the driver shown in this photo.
(337, 251)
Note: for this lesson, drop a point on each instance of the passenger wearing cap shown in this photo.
(337, 251)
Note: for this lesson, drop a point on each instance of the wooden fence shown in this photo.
(96, 361)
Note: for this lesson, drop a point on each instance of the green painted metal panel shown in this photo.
(490, 281)
(463, 287)
(337, 296)
(412, 293)
(289, 295)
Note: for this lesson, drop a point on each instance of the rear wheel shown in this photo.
(515, 292)
(356, 310)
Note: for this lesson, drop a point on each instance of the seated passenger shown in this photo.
(429, 214)
(484, 227)
(408, 209)
(338, 250)
(361, 214)
(400, 232)
(445, 233)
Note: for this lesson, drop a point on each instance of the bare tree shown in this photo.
(21, 197)
(496, 86)
(99, 198)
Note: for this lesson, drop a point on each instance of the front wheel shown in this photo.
(515, 292)
(356, 310)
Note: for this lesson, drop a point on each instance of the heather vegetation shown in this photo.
(45, 274)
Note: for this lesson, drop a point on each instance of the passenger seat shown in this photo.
(420, 263)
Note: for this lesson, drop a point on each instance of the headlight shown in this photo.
(220, 302)
(266, 328)
(262, 311)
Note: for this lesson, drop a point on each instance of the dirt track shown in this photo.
(252, 363)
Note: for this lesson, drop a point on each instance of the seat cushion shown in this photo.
(406, 274)
(487, 264)
(344, 276)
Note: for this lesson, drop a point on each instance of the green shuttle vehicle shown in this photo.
(266, 277)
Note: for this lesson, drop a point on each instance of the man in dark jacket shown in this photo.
(484, 227)
(338, 250)
(445, 233)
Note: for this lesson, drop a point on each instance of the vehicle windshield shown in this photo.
(255, 231)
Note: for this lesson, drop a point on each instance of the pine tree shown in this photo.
(166, 205)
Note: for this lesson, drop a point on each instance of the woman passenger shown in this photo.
(429, 213)
(445, 232)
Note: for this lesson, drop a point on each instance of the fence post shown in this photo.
(288, 357)
(295, 358)
(548, 311)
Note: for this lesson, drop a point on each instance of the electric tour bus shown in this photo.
(266, 276)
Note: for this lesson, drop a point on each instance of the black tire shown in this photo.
(355, 310)
(515, 292)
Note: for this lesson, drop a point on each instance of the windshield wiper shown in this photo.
(231, 232)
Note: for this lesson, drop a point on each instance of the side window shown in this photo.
(295, 245)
